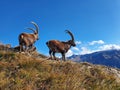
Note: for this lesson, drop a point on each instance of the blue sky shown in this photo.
(94, 23)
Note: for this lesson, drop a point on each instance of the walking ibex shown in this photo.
(62, 47)
(26, 40)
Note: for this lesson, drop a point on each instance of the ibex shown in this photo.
(27, 40)
(56, 46)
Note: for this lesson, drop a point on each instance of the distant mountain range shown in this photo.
(109, 58)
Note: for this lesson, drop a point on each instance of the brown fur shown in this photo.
(27, 40)
(56, 46)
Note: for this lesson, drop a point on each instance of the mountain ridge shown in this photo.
(108, 57)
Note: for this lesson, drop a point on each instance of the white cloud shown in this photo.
(78, 42)
(109, 47)
(69, 53)
(76, 49)
(96, 42)
(85, 50)
(73, 50)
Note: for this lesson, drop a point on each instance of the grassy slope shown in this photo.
(22, 72)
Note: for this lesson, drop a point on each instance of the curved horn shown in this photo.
(32, 29)
(37, 28)
(67, 31)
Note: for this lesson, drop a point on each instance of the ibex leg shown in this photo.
(50, 53)
(54, 56)
(63, 56)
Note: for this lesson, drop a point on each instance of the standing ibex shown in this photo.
(27, 40)
(56, 46)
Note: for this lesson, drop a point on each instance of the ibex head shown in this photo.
(72, 41)
(35, 30)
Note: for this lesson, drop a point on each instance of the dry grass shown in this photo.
(22, 72)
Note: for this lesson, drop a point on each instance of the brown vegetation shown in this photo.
(22, 72)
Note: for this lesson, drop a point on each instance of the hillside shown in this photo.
(23, 72)
(109, 58)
